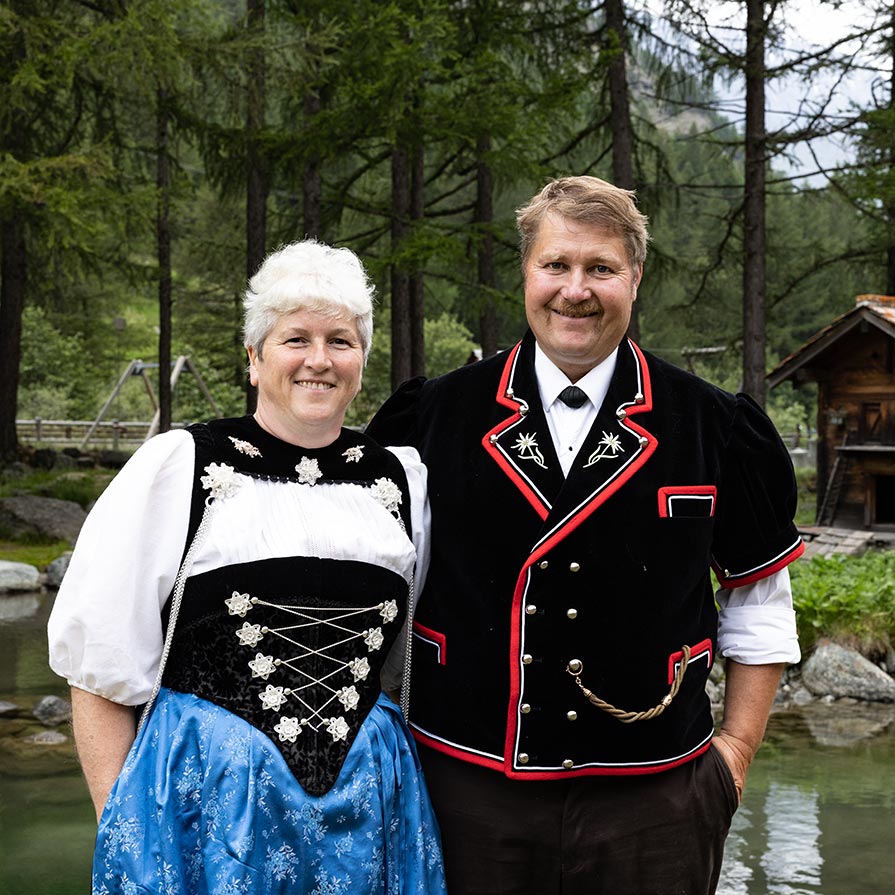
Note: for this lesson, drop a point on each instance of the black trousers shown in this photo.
(656, 834)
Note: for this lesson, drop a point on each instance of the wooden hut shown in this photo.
(852, 360)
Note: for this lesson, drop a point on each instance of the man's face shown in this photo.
(579, 290)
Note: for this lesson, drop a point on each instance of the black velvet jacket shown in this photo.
(609, 567)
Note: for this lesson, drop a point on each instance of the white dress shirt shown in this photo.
(756, 622)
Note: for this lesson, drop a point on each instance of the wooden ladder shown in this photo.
(827, 511)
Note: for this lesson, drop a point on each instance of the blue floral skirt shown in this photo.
(206, 805)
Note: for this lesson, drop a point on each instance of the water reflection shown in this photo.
(818, 817)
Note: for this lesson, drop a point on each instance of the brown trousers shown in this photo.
(656, 834)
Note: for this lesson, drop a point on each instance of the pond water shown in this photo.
(818, 817)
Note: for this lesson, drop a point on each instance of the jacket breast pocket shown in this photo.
(431, 643)
(687, 501)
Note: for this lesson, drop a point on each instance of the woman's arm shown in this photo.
(104, 733)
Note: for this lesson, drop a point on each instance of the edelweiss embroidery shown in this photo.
(308, 470)
(354, 454)
(609, 447)
(244, 447)
(527, 446)
(222, 480)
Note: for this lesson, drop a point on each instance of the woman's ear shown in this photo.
(253, 365)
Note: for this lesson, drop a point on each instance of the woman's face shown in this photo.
(308, 373)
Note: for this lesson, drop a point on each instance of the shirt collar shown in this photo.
(552, 380)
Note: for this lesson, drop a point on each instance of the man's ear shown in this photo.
(638, 276)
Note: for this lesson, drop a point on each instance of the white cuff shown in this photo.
(758, 635)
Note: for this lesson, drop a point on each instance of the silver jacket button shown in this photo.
(574, 665)
(525, 708)
(526, 659)
(531, 609)
(574, 566)
(621, 413)
(572, 715)
(522, 758)
(543, 564)
(568, 764)
(572, 613)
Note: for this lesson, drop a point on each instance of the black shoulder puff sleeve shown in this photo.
(395, 423)
(754, 533)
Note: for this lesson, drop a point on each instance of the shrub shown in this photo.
(850, 599)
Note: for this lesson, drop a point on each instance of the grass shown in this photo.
(847, 598)
(39, 555)
(81, 486)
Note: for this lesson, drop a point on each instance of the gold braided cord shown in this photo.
(630, 717)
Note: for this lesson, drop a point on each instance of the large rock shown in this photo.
(18, 576)
(834, 670)
(27, 516)
(52, 710)
(57, 568)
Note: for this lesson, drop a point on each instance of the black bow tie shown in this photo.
(573, 396)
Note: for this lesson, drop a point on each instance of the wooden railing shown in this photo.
(114, 434)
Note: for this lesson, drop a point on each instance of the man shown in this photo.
(568, 625)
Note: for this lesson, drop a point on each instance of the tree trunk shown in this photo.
(163, 249)
(754, 360)
(312, 190)
(256, 170)
(417, 296)
(890, 209)
(400, 281)
(620, 115)
(13, 267)
(484, 218)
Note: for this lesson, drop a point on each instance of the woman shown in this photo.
(245, 580)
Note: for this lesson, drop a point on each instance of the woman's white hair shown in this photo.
(312, 276)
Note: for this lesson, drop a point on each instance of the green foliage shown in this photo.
(82, 487)
(850, 599)
(39, 555)
(448, 346)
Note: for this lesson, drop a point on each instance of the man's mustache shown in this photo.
(588, 308)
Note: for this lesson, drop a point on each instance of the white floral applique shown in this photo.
(337, 728)
(288, 729)
(386, 492)
(373, 638)
(360, 668)
(239, 604)
(389, 611)
(262, 666)
(308, 470)
(610, 447)
(222, 480)
(349, 697)
(527, 446)
(250, 635)
(273, 697)
(244, 447)
(354, 454)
